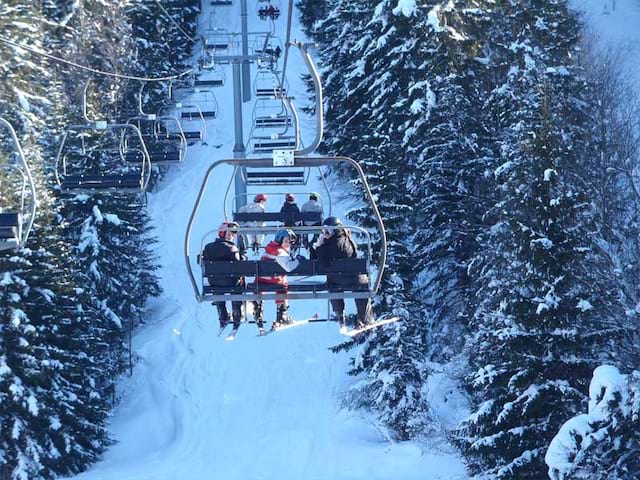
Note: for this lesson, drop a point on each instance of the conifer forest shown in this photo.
(499, 142)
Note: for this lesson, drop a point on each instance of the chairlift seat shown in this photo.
(9, 226)
(272, 122)
(351, 267)
(276, 177)
(216, 45)
(193, 135)
(271, 92)
(196, 115)
(221, 3)
(268, 145)
(213, 82)
(315, 217)
(125, 181)
(155, 155)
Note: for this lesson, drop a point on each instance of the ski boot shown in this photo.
(223, 315)
(256, 248)
(237, 319)
(257, 315)
(283, 315)
(341, 321)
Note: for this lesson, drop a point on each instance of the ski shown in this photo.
(221, 329)
(352, 333)
(232, 335)
(295, 323)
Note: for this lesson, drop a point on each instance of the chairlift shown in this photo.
(92, 157)
(212, 78)
(173, 109)
(267, 85)
(306, 281)
(169, 145)
(269, 10)
(18, 213)
(205, 99)
(271, 114)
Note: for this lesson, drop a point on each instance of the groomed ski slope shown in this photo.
(198, 407)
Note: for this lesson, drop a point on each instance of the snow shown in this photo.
(198, 407)
(405, 7)
(608, 387)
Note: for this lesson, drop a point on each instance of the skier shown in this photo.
(278, 250)
(289, 210)
(312, 205)
(224, 249)
(337, 243)
(253, 240)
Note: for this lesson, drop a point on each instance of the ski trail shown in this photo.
(198, 407)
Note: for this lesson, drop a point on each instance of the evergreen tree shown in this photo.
(603, 443)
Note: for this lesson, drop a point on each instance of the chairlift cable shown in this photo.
(93, 70)
(168, 15)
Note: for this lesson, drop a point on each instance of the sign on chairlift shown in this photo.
(283, 158)
(100, 124)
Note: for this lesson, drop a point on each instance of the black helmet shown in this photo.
(331, 223)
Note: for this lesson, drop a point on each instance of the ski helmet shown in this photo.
(282, 234)
(261, 197)
(290, 197)
(331, 224)
(227, 227)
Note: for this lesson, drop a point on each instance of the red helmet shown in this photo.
(261, 197)
(290, 197)
(227, 227)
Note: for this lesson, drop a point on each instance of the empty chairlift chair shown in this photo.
(267, 85)
(163, 136)
(18, 207)
(92, 158)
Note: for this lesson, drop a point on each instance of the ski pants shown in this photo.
(362, 305)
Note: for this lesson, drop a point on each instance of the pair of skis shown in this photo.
(343, 330)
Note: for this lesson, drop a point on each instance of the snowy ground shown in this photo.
(198, 407)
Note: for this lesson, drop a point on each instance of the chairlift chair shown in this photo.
(16, 217)
(72, 160)
(269, 10)
(212, 78)
(189, 130)
(165, 145)
(269, 114)
(267, 85)
(306, 281)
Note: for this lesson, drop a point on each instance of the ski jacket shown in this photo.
(254, 207)
(275, 252)
(222, 250)
(338, 246)
(312, 206)
(289, 210)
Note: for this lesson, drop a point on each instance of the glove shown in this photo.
(300, 258)
(319, 242)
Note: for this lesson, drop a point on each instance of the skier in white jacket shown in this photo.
(253, 240)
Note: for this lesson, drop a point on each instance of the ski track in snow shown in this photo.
(198, 407)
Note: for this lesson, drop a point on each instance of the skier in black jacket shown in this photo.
(290, 210)
(334, 244)
(224, 249)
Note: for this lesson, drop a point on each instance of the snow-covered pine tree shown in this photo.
(52, 416)
(604, 443)
(365, 119)
(452, 151)
(549, 308)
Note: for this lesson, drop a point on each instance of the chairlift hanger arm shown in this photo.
(26, 172)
